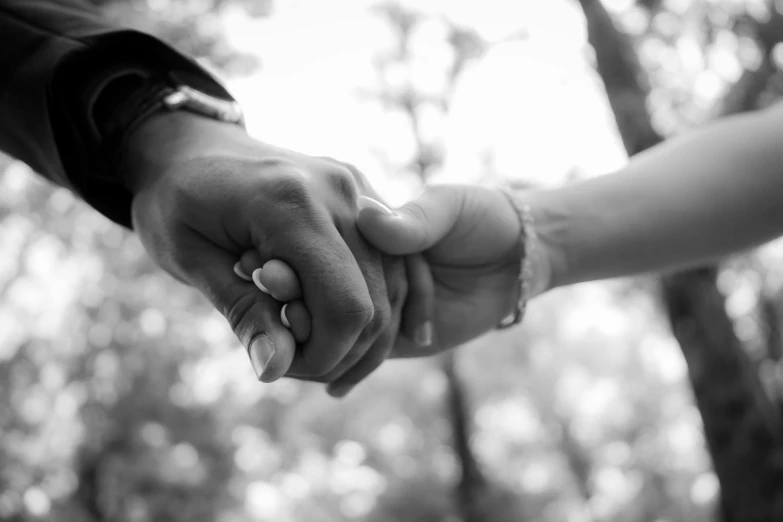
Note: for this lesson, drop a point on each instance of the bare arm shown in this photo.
(694, 198)
(707, 194)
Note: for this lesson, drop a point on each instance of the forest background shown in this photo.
(124, 397)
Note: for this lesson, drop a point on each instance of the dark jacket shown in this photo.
(49, 50)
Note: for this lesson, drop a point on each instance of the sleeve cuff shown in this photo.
(76, 84)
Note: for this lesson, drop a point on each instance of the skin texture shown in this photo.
(695, 198)
(205, 192)
(470, 238)
(463, 282)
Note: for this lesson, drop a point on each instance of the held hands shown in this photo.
(205, 192)
(470, 239)
(206, 196)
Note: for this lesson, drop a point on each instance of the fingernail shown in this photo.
(283, 317)
(261, 351)
(365, 202)
(238, 271)
(423, 334)
(257, 280)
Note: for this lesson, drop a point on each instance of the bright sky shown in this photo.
(534, 105)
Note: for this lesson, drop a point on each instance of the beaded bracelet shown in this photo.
(528, 239)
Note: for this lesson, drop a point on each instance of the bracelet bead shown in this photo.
(528, 240)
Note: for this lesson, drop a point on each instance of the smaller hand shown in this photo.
(470, 238)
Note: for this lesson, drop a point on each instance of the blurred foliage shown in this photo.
(741, 422)
(191, 26)
(126, 398)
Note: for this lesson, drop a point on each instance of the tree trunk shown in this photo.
(741, 428)
(471, 486)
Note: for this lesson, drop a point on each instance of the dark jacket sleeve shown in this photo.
(44, 46)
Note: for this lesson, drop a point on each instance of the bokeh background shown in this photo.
(124, 397)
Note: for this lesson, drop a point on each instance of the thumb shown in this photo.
(416, 226)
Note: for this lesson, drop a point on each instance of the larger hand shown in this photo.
(204, 192)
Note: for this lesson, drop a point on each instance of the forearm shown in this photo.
(715, 191)
(176, 137)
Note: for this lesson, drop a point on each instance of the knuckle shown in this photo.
(275, 163)
(347, 319)
(358, 178)
(342, 182)
(379, 322)
(354, 171)
(363, 317)
(353, 312)
(292, 189)
(284, 198)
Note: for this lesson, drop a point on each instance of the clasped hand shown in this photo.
(207, 195)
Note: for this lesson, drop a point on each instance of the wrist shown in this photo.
(168, 138)
(537, 260)
(549, 255)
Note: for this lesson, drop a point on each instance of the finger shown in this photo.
(254, 316)
(298, 318)
(419, 304)
(370, 263)
(386, 281)
(374, 358)
(341, 294)
(360, 365)
(414, 227)
(332, 285)
(248, 263)
(240, 272)
(279, 280)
